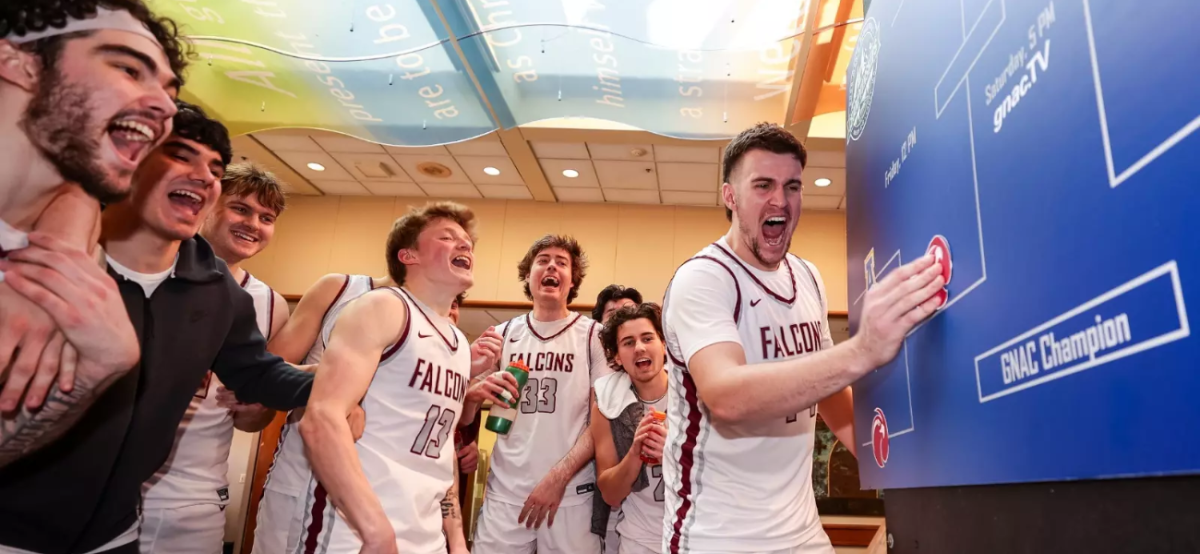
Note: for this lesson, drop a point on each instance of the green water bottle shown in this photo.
(501, 417)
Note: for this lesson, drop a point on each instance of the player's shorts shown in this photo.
(612, 540)
(822, 547)
(277, 529)
(498, 531)
(631, 547)
(195, 529)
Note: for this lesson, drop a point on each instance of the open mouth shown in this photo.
(187, 200)
(461, 262)
(132, 138)
(550, 282)
(773, 229)
(243, 236)
(642, 363)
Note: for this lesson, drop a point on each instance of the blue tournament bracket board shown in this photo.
(1052, 144)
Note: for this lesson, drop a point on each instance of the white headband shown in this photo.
(116, 20)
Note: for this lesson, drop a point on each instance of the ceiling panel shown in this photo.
(507, 192)
(372, 167)
(294, 142)
(632, 152)
(342, 188)
(474, 166)
(695, 154)
(826, 158)
(688, 176)
(626, 175)
(299, 161)
(421, 150)
(450, 191)
(412, 163)
(689, 198)
(487, 145)
(553, 169)
(337, 143)
(384, 188)
(578, 194)
(821, 202)
(561, 150)
(630, 196)
(835, 174)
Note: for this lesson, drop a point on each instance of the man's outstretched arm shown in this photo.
(360, 335)
(293, 341)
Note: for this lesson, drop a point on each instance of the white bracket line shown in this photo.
(876, 275)
(912, 424)
(897, 13)
(940, 104)
(1113, 179)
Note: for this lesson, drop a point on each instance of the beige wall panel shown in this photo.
(594, 227)
(363, 224)
(300, 251)
(696, 228)
(645, 238)
(489, 226)
(821, 239)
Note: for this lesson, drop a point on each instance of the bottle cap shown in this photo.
(518, 364)
(660, 416)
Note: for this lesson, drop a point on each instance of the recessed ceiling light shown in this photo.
(491, 171)
(822, 182)
(570, 173)
(316, 166)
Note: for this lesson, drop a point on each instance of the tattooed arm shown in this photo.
(25, 431)
(88, 308)
(452, 520)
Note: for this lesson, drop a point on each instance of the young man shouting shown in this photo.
(542, 469)
(81, 493)
(748, 334)
(184, 503)
(395, 352)
(86, 91)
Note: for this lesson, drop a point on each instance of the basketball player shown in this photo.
(395, 352)
(86, 91)
(81, 493)
(624, 430)
(541, 471)
(613, 298)
(280, 518)
(747, 332)
(183, 505)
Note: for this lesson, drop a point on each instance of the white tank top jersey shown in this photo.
(289, 473)
(740, 488)
(407, 449)
(642, 511)
(564, 358)
(196, 471)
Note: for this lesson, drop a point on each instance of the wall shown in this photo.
(635, 245)
(242, 455)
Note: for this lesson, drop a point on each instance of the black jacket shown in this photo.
(84, 489)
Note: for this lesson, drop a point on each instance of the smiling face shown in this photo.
(764, 194)
(550, 275)
(640, 350)
(444, 254)
(239, 228)
(177, 186)
(101, 107)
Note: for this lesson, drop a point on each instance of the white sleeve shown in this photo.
(599, 362)
(826, 336)
(700, 308)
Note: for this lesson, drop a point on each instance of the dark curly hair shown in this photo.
(21, 17)
(579, 262)
(764, 136)
(608, 335)
(611, 293)
(191, 123)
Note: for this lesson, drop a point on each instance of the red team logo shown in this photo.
(879, 438)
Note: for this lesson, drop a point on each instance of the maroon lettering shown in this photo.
(787, 345)
(416, 372)
(437, 383)
(766, 340)
(806, 336)
(427, 382)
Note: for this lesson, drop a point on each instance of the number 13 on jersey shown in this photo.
(436, 420)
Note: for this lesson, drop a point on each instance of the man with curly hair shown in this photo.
(86, 92)
(542, 471)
